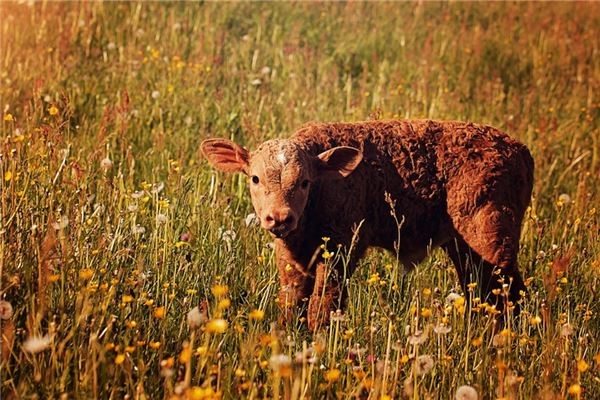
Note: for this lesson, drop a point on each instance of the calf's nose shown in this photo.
(278, 220)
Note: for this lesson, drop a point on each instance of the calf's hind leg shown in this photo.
(486, 246)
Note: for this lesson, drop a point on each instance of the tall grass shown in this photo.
(113, 228)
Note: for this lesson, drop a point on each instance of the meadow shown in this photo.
(130, 268)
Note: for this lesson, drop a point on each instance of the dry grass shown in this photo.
(113, 228)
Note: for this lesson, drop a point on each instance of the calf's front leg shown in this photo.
(328, 295)
(296, 285)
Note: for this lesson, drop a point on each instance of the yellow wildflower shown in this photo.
(8, 117)
(223, 304)
(186, 355)
(159, 312)
(333, 375)
(217, 325)
(127, 298)
(219, 290)
(257, 315)
(86, 274)
(53, 110)
(575, 389)
(7, 176)
(425, 312)
(154, 345)
(119, 359)
(582, 366)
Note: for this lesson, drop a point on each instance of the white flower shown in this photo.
(442, 329)
(6, 310)
(132, 207)
(255, 82)
(337, 316)
(280, 361)
(155, 94)
(161, 218)
(228, 236)
(137, 195)
(106, 164)
(566, 330)
(188, 120)
(61, 223)
(418, 337)
(176, 26)
(35, 344)
(423, 364)
(265, 70)
(451, 298)
(195, 318)
(111, 46)
(564, 198)
(251, 219)
(157, 188)
(466, 392)
(138, 229)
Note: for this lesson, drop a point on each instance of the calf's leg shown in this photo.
(328, 295)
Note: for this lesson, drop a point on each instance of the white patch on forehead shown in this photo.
(281, 158)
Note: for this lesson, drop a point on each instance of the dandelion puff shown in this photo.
(36, 344)
(195, 318)
(423, 364)
(251, 220)
(228, 236)
(137, 195)
(466, 392)
(418, 337)
(279, 362)
(566, 330)
(564, 198)
(138, 230)
(61, 223)
(106, 164)
(452, 297)
(6, 310)
(157, 188)
(442, 329)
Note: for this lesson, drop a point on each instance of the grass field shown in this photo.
(113, 228)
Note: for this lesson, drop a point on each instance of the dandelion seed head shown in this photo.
(466, 392)
(423, 364)
(36, 344)
(106, 164)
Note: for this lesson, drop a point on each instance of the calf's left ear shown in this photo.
(338, 162)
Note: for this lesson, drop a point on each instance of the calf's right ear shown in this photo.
(226, 155)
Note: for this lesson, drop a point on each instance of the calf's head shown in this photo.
(281, 173)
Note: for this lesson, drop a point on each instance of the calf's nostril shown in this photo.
(269, 218)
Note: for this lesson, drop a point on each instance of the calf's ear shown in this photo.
(225, 155)
(338, 162)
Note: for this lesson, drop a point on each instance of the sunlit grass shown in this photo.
(129, 267)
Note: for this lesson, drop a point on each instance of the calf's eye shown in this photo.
(255, 179)
(304, 184)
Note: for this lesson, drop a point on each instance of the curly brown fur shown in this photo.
(462, 186)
